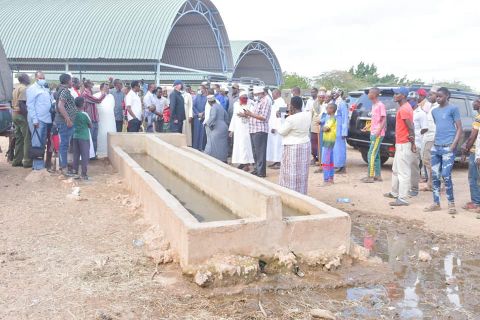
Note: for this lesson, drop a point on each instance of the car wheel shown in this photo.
(384, 159)
(364, 153)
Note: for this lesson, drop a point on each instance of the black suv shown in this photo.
(362, 113)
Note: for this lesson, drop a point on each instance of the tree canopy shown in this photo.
(359, 77)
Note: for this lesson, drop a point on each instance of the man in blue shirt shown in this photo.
(39, 116)
(447, 137)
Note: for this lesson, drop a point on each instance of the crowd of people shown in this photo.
(254, 126)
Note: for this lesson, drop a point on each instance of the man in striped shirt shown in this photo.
(258, 123)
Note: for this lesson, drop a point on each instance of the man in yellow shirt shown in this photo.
(468, 149)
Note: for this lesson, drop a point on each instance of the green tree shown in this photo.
(454, 85)
(366, 72)
(291, 80)
(341, 79)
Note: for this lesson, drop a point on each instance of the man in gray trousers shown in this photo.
(258, 120)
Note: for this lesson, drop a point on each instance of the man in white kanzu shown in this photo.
(274, 144)
(242, 154)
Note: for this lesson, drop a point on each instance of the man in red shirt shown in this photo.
(404, 149)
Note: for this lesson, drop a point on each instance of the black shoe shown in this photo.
(254, 172)
(241, 167)
(341, 170)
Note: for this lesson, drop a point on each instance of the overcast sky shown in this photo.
(426, 39)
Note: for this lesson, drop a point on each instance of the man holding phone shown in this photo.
(258, 124)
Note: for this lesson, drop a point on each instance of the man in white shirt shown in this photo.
(274, 144)
(309, 104)
(187, 124)
(133, 104)
(420, 124)
(428, 138)
(148, 102)
(160, 102)
(75, 89)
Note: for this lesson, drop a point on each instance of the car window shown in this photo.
(474, 112)
(461, 104)
(364, 104)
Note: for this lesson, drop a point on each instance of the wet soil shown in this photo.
(67, 259)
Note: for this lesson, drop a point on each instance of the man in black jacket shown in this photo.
(177, 108)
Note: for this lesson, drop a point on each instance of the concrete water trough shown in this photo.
(207, 208)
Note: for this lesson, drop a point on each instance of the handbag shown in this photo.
(36, 153)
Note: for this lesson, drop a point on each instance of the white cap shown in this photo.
(258, 89)
(243, 93)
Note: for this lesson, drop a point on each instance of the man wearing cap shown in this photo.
(259, 130)
(404, 149)
(423, 102)
(177, 108)
(420, 125)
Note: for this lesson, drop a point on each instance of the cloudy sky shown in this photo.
(426, 39)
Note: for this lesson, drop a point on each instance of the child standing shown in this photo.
(81, 139)
(329, 130)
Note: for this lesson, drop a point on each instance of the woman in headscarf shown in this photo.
(217, 131)
(296, 148)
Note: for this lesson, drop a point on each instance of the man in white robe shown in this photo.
(239, 129)
(187, 124)
(274, 144)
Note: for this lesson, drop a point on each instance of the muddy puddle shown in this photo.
(447, 287)
(200, 205)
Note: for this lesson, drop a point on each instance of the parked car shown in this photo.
(362, 113)
(352, 99)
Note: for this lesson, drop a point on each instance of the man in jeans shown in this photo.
(22, 133)
(447, 136)
(377, 133)
(469, 149)
(119, 97)
(404, 149)
(64, 118)
(133, 105)
(39, 116)
(258, 125)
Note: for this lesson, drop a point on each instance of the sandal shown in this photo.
(433, 207)
(470, 206)
(451, 208)
(367, 180)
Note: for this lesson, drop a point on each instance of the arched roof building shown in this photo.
(147, 39)
(256, 59)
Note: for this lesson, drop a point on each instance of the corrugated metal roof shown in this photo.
(237, 48)
(260, 61)
(6, 80)
(88, 29)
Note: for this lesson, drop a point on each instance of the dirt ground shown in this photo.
(66, 259)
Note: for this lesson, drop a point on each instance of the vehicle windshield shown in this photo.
(364, 104)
